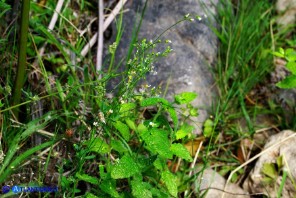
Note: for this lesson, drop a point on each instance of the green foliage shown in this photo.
(290, 55)
(272, 171)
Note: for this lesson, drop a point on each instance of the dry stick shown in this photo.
(255, 157)
(107, 22)
(100, 35)
(193, 163)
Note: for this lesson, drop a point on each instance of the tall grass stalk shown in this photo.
(22, 56)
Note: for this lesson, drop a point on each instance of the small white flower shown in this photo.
(152, 124)
(110, 111)
(95, 124)
(101, 117)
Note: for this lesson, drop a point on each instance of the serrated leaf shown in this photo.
(173, 115)
(142, 128)
(103, 175)
(292, 67)
(123, 129)
(269, 170)
(125, 168)
(118, 146)
(145, 162)
(288, 83)
(140, 189)
(159, 163)
(131, 124)
(170, 181)
(184, 131)
(153, 101)
(98, 145)
(185, 97)
(127, 107)
(87, 178)
(109, 186)
(180, 151)
(157, 141)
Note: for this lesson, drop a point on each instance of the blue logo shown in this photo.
(5, 189)
(16, 189)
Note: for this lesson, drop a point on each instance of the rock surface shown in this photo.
(214, 183)
(287, 149)
(194, 47)
(287, 11)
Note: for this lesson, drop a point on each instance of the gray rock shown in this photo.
(213, 184)
(194, 47)
(287, 149)
(287, 12)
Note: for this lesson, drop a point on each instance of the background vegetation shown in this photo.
(61, 127)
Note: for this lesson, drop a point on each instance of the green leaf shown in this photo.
(144, 162)
(170, 181)
(60, 91)
(159, 163)
(127, 107)
(184, 131)
(269, 170)
(288, 83)
(90, 195)
(157, 142)
(103, 175)
(125, 168)
(185, 97)
(180, 151)
(142, 128)
(290, 54)
(109, 186)
(140, 189)
(282, 51)
(208, 123)
(87, 178)
(292, 67)
(278, 54)
(174, 116)
(193, 112)
(153, 101)
(118, 146)
(267, 180)
(98, 145)
(131, 124)
(208, 131)
(123, 129)
(280, 162)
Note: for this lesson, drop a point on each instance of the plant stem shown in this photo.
(22, 56)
